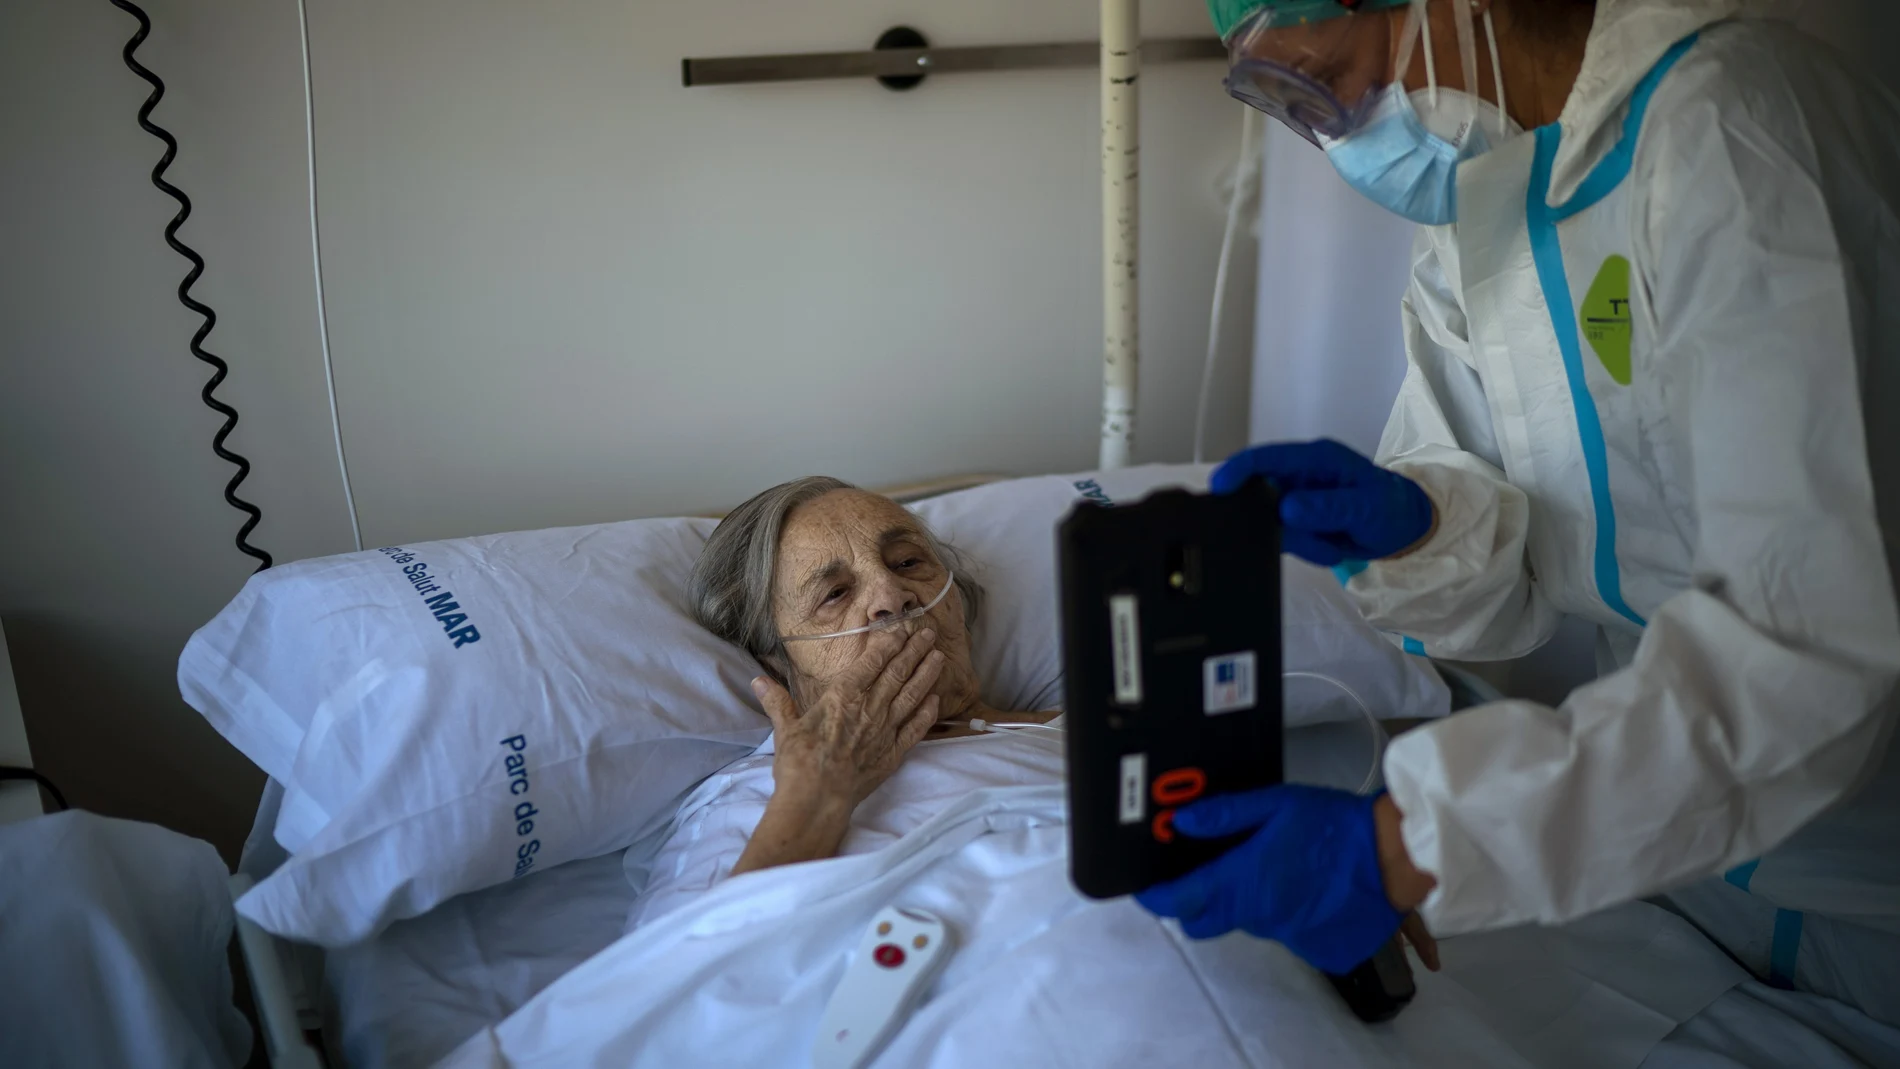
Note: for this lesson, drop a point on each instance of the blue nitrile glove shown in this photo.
(1309, 878)
(1335, 505)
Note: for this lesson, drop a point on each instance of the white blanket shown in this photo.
(737, 971)
(113, 944)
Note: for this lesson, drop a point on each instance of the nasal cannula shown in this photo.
(884, 622)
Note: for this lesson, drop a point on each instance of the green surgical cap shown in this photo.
(1228, 14)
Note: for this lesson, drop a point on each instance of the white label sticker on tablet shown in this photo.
(1227, 683)
(1134, 787)
(1124, 630)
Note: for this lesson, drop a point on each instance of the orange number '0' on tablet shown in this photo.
(1163, 826)
(1179, 786)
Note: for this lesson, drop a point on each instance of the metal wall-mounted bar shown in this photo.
(904, 63)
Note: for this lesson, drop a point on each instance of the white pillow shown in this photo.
(1007, 530)
(450, 715)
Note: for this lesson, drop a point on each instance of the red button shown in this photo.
(889, 955)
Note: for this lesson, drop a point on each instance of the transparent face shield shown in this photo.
(1322, 69)
(1316, 65)
(887, 622)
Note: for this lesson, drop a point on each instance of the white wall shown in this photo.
(562, 289)
(1327, 355)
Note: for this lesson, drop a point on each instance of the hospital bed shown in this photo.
(498, 963)
(493, 962)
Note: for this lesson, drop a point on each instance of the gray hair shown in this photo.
(731, 586)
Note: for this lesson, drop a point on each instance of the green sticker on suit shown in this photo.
(1605, 317)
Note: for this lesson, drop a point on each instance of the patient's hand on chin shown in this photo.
(841, 743)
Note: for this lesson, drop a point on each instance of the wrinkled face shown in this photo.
(850, 558)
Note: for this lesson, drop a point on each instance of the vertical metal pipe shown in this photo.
(1121, 226)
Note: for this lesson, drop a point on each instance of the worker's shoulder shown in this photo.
(1768, 76)
(1756, 97)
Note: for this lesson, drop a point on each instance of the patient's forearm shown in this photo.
(795, 828)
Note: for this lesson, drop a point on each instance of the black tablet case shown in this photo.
(1171, 649)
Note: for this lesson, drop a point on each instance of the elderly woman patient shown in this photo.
(862, 624)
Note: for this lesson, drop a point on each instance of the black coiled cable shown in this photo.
(220, 368)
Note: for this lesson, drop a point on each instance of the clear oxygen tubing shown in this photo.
(887, 622)
(977, 723)
(1372, 723)
(1245, 170)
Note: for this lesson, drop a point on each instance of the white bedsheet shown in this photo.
(737, 972)
(407, 996)
(712, 826)
(1754, 1026)
(113, 941)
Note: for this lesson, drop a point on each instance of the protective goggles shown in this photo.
(1316, 65)
(888, 622)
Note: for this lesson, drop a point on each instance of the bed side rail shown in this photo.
(284, 1042)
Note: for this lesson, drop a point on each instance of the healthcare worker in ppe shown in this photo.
(1653, 341)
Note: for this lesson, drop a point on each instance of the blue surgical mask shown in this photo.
(1404, 156)
(1398, 161)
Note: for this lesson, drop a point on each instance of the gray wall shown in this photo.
(114, 543)
(562, 289)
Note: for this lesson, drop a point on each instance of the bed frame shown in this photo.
(911, 493)
(286, 1014)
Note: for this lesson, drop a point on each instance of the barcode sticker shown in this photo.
(1227, 683)
(1134, 794)
(1124, 629)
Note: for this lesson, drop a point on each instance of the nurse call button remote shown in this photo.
(893, 965)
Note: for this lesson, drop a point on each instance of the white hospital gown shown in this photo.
(715, 822)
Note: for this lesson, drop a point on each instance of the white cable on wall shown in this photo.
(316, 255)
(1245, 171)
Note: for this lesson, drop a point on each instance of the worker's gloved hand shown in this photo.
(1335, 505)
(1309, 877)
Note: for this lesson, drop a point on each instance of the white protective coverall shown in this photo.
(1652, 382)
